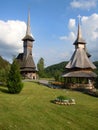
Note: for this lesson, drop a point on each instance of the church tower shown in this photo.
(25, 59)
(79, 70)
(80, 42)
(28, 40)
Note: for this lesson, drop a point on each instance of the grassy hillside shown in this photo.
(32, 109)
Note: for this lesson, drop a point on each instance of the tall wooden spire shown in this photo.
(79, 39)
(80, 42)
(79, 34)
(28, 31)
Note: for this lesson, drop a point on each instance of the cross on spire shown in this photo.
(79, 18)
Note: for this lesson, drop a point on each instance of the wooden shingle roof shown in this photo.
(82, 74)
(28, 37)
(26, 63)
(80, 59)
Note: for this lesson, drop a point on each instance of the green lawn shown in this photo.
(32, 109)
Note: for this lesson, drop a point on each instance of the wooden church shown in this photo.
(25, 59)
(79, 70)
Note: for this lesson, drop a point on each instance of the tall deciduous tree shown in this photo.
(40, 67)
(14, 82)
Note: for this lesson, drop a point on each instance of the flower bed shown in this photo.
(64, 101)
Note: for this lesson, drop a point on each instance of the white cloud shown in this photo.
(83, 4)
(89, 32)
(11, 33)
(90, 27)
(63, 38)
(71, 23)
(70, 38)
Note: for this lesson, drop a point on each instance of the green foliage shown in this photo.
(96, 71)
(96, 82)
(76, 80)
(52, 70)
(3, 63)
(4, 75)
(62, 98)
(40, 67)
(57, 75)
(14, 82)
(4, 69)
(96, 93)
(55, 71)
(96, 64)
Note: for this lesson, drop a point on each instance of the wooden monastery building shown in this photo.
(79, 70)
(25, 59)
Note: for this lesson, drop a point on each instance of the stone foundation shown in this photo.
(79, 86)
(30, 75)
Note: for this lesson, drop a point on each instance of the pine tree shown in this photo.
(14, 82)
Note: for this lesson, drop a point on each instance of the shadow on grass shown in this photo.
(4, 89)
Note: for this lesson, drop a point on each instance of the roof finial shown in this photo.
(28, 32)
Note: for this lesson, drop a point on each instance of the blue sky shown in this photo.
(53, 25)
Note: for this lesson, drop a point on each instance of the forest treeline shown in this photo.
(56, 69)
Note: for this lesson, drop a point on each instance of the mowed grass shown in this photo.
(33, 109)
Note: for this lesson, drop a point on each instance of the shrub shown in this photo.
(14, 82)
(61, 98)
